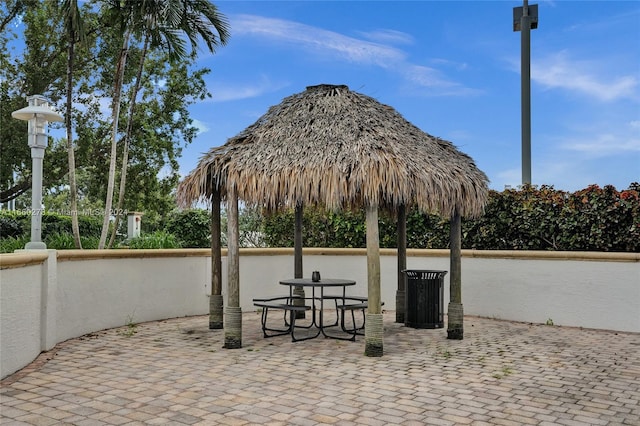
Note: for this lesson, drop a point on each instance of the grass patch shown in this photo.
(130, 329)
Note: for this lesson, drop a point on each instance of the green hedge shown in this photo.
(18, 223)
(528, 218)
(189, 228)
(192, 228)
(154, 240)
(594, 219)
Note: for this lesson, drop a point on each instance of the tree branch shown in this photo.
(15, 191)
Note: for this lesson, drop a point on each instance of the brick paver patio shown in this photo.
(176, 372)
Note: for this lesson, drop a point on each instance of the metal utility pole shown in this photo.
(525, 19)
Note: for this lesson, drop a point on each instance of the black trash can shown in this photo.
(424, 298)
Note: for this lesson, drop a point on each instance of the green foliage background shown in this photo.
(528, 218)
(162, 125)
(18, 223)
(192, 228)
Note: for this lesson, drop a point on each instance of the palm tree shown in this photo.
(125, 148)
(161, 23)
(120, 13)
(74, 27)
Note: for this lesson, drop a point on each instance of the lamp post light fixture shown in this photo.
(38, 114)
(525, 19)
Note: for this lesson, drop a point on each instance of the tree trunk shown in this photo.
(115, 113)
(125, 148)
(73, 187)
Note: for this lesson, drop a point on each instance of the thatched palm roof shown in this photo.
(331, 146)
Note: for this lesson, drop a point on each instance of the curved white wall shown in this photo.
(48, 297)
(96, 294)
(590, 294)
(601, 294)
(20, 314)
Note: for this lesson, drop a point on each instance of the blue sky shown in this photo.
(452, 68)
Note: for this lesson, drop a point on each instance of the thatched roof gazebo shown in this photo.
(340, 149)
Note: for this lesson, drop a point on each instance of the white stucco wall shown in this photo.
(52, 296)
(579, 293)
(590, 294)
(95, 294)
(260, 275)
(20, 314)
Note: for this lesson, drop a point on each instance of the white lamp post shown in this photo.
(38, 114)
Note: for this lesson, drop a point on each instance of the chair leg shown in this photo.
(293, 330)
(287, 322)
(263, 320)
(335, 323)
(292, 322)
(350, 331)
(265, 328)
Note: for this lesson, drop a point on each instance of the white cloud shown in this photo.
(223, 92)
(561, 173)
(598, 139)
(202, 127)
(360, 51)
(460, 66)
(341, 47)
(388, 36)
(434, 79)
(509, 177)
(562, 72)
(604, 144)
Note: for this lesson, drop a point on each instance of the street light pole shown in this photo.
(525, 19)
(37, 114)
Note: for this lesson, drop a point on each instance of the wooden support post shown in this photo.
(216, 312)
(297, 243)
(233, 320)
(373, 324)
(402, 262)
(297, 260)
(455, 315)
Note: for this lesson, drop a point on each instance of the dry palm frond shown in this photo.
(341, 149)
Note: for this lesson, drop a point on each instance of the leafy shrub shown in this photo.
(53, 223)
(11, 244)
(16, 223)
(602, 219)
(348, 229)
(191, 227)
(154, 240)
(64, 241)
(90, 226)
(528, 218)
(60, 241)
(90, 242)
(10, 226)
